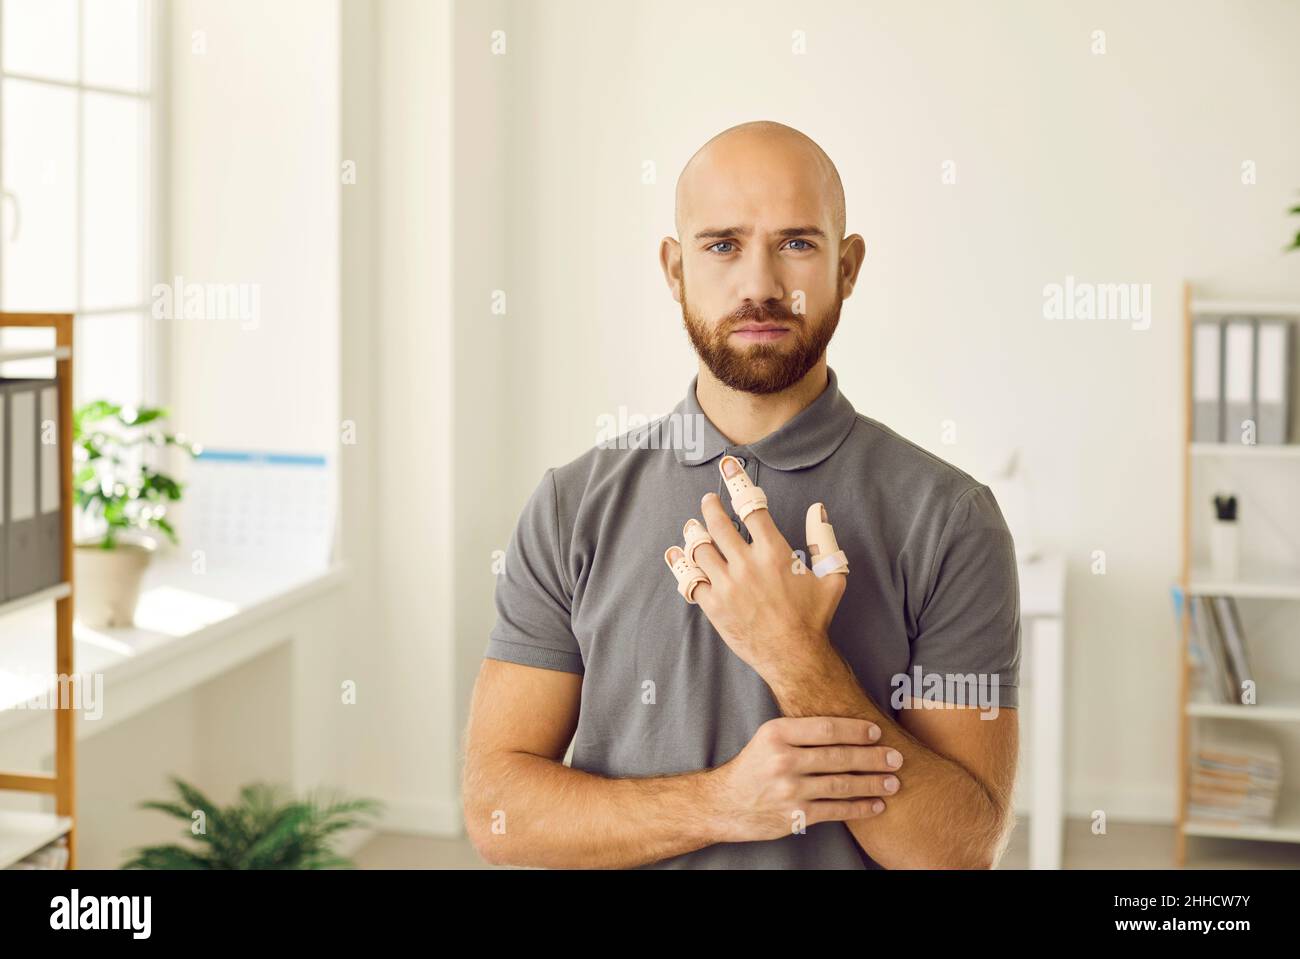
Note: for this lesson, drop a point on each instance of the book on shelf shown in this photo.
(1234, 642)
(1220, 662)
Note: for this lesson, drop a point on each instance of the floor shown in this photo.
(1125, 846)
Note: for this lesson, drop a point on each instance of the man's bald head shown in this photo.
(760, 152)
(761, 264)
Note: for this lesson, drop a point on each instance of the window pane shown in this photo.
(39, 244)
(108, 360)
(40, 38)
(114, 212)
(112, 44)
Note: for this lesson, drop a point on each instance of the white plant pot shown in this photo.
(108, 583)
(1225, 550)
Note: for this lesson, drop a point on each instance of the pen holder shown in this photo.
(1225, 550)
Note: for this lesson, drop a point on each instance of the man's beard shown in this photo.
(761, 367)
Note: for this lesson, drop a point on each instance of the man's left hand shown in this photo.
(764, 601)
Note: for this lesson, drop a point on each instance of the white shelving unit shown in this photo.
(1235, 451)
(1258, 581)
(23, 833)
(1283, 706)
(1285, 827)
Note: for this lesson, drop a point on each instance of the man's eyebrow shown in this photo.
(725, 232)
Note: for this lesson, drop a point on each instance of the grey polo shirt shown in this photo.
(933, 588)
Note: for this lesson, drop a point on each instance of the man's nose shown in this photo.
(760, 283)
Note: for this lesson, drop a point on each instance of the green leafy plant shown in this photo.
(116, 488)
(262, 830)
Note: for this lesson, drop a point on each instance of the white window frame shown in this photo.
(153, 26)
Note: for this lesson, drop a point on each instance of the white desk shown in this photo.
(1042, 621)
(189, 629)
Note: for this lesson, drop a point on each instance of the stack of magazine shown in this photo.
(53, 856)
(1218, 649)
(1235, 779)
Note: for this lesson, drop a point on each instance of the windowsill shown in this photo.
(189, 628)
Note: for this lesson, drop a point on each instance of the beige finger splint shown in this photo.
(697, 534)
(688, 575)
(823, 550)
(745, 496)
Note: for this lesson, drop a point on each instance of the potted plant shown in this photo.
(262, 830)
(121, 500)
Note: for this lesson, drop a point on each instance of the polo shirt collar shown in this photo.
(809, 437)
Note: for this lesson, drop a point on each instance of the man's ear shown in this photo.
(853, 251)
(670, 260)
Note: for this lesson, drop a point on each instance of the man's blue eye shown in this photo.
(714, 247)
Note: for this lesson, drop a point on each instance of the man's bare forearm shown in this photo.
(943, 817)
(534, 811)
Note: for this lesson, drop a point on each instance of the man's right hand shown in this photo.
(824, 767)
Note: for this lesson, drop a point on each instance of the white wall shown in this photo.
(253, 134)
(411, 757)
(1123, 167)
(485, 410)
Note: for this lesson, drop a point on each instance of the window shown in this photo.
(76, 224)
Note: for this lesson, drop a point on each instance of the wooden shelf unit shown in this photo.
(42, 828)
(1254, 583)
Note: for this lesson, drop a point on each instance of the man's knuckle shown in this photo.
(782, 763)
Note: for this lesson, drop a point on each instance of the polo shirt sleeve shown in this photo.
(971, 619)
(533, 602)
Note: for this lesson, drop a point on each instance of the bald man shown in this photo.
(761, 705)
